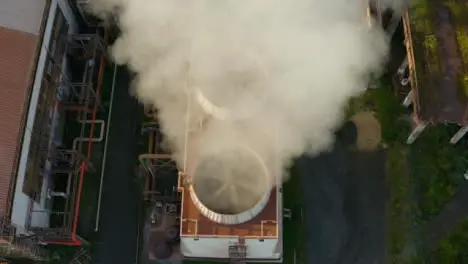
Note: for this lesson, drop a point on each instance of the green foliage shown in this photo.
(420, 16)
(459, 11)
(389, 113)
(435, 166)
(400, 203)
(453, 248)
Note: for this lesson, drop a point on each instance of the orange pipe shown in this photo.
(75, 241)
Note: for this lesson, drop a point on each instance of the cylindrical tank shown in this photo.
(231, 187)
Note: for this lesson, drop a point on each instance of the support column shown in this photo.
(408, 99)
(403, 66)
(416, 132)
(460, 133)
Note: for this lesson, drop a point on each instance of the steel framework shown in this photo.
(157, 163)
(88, 53)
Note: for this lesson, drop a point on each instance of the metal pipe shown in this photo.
(88, 139)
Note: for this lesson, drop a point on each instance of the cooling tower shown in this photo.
(231, 212)
(231, 194)
(231, 187)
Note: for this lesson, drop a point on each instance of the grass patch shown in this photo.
(436, 166)
(400, 203)
(459, 11)
(453, 248)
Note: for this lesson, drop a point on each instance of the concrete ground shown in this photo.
(118, 229)
(345, 197)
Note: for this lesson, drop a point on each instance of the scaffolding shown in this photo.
(79, 101)
(237, 252)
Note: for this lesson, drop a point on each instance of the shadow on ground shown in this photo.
(345, 197)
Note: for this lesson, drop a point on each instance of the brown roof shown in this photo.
(263, 225)
(17, 59)
(438, 30)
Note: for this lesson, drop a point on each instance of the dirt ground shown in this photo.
(368, 131)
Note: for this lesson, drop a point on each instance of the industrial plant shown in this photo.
(54, 108)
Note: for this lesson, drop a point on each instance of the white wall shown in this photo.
(23, 15)
(219, 248)
(21, 201)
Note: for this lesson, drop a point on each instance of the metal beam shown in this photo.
(460, 133)
(416, 132)
(408, 99)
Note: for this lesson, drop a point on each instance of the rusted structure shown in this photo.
(436, 67)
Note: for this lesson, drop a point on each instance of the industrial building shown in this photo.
(50, 85)
(182, 220)
(434, 74)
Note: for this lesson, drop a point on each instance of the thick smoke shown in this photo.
(285, 70)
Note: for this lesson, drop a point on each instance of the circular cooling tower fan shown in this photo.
(231, 187)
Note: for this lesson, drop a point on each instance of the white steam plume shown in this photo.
(291, 65)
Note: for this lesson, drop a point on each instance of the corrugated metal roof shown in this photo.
(17, 59)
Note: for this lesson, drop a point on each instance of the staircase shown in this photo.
(237, 253)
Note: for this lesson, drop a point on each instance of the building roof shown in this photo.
(17, 60)
(438, 55)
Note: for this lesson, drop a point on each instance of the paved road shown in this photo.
(345, 205)
(120, 199)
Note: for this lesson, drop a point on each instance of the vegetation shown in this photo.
(453, 248)
(437, 167)
(459, 12)
(401, 217)
(422, 177)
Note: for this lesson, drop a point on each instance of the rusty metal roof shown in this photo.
(438, 34)
(264, 225)
(17, 60)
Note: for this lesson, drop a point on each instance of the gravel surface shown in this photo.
(345, 197)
